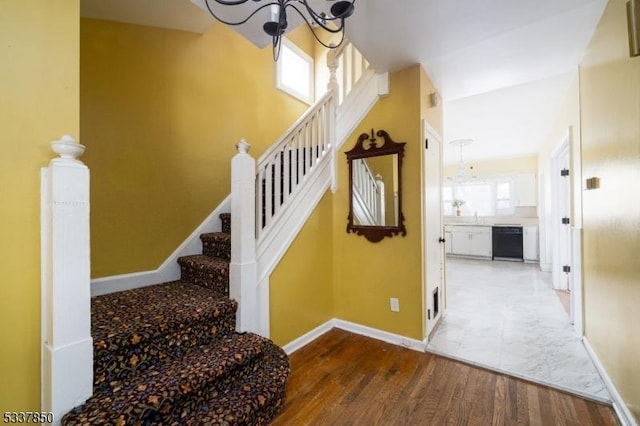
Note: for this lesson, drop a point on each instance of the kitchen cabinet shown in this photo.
(469, 240)
(447, 241)
(530, 244)
(525, 190)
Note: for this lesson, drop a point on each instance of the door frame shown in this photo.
(430, 134)
(560, 158)
(570, 147)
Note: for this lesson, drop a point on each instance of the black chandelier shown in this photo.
(332, 22)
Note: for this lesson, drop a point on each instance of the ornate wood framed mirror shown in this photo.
(375, 187)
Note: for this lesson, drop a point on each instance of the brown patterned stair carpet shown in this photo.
(168, 354)
(216, 381)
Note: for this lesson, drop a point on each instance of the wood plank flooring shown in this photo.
(346, 379)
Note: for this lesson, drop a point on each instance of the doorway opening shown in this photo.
(506, 315)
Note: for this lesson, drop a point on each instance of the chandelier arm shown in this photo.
(318, 18)
(231, 2)
(324, 27)
(206, 2)
(328, 46)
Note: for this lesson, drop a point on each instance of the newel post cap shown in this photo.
(67, 148)
(243, 147)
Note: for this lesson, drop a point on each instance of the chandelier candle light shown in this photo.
(332, 22)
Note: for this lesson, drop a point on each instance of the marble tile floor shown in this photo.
(506, 316)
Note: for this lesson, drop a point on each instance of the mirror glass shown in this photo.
(375, 191)
(375, 187)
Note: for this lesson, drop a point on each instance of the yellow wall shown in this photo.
(39, 61)
(301, 292)
(610, 115)
(161, 112)
(367, 274)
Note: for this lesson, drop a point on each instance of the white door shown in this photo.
(433, 228)
(561, 216)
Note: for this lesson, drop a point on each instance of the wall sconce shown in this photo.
(633, 23)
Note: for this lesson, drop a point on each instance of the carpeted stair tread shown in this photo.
(183, 384)
(255, 399)
(216, 244)
(135, 330)
(206, 271)
(152, 310)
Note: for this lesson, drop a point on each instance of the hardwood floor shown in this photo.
(343, 378)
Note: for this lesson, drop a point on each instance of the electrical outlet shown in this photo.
(394, 304)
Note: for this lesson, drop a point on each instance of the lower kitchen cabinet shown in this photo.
(469, 240)
(530, 251)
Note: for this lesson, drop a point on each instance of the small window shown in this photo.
(503, 198)
(294, 72)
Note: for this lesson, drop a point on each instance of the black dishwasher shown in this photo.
(507, 242)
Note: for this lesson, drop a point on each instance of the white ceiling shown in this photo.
(501, 66)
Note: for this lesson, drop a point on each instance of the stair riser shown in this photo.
(110, 365)
(225, 218)
(270, 368)
(217, 248)
(215, 279)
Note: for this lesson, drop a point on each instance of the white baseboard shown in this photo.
(385, 336)
(307, 338)
(363, 330)
(624, 414)
(545, 267)
(169, 270)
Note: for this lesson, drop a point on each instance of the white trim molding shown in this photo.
(359, 102)
(169, 270)
(385, 336)
(309, 337)
(67, 346)
(622, 411)
(362, 330)
(274, 243)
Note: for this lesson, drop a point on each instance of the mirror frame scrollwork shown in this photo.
(369, 146)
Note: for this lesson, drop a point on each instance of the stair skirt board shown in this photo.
(169, 270)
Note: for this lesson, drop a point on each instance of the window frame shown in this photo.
(282, 85)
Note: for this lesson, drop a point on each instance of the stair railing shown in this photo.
(350, 67)
(267, 194)
(284, 166)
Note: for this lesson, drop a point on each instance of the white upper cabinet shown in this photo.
(525, 190)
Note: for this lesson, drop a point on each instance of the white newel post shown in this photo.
(332, 86)
(67, 352)
(242, 270)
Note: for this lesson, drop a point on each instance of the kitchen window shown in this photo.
(487, 197)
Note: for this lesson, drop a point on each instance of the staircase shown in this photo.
(168, 354)
(172, 353)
